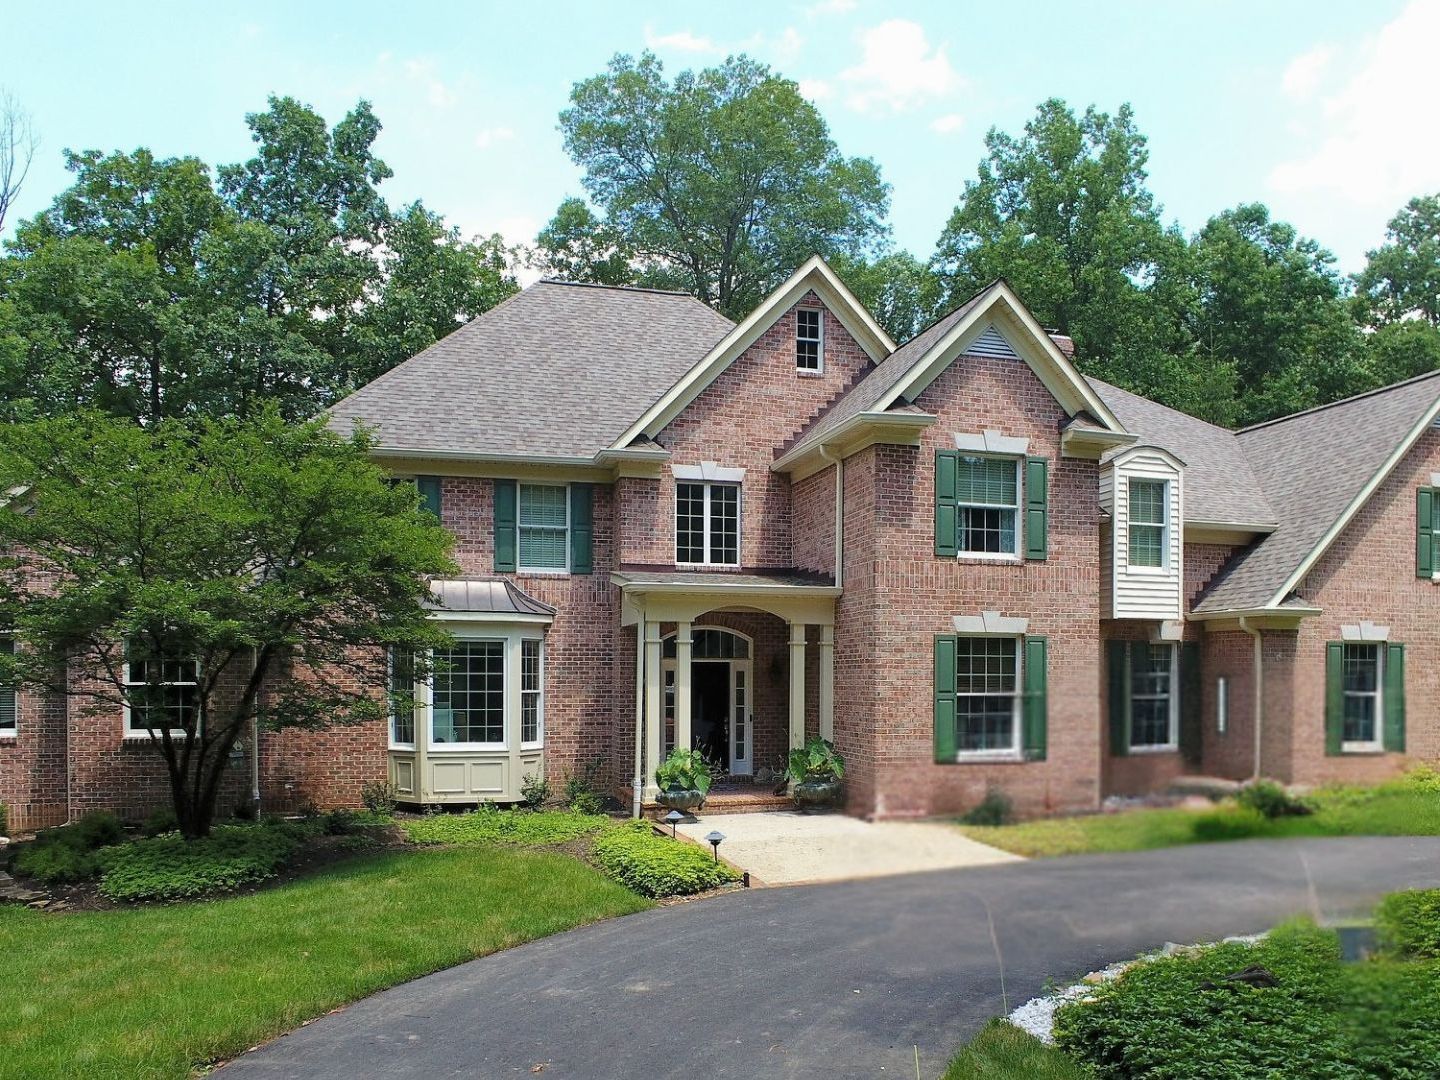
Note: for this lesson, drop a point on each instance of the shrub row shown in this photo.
(170, 867)
(489, 825)
(657, 866)
(1409, 925)
(69, 853)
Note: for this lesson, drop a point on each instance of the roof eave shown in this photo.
(855, 434)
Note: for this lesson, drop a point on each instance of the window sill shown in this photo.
(145, 736)
(9, 736)
(990, 757)
(987, 557)
(532, 746)
(1167, 748)
(542, 573)
(810, 373)
(467, 748)
(1362, 750)
(706, 566)
(403, 748)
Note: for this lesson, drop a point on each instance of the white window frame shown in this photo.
(1014, 555)
(128, 731)
(13, 731)
(506, 716)
(538, 693)
(1017, 714)
(1163, 525)
(1377, 744)
(818, 339)
(1172, 740)
(709, 486)
(520, 527)
(390, 706)
(1222, 704)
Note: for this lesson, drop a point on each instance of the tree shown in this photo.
(897, 288)
(18, 144)
(1064, 215)
(1270, 304)
(1401, 279)
(578, 246)
(722, 182)
(271, 563)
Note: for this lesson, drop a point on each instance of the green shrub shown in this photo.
(1409, 923)
(1215, 825)
(658, 866)
(4, 820)
(56, 864)
(378, 797)
(581, 794)
(816, 760)
(684, 770)
(994, 809)
(1271, 800)
(97, 829)
(173, 868)
(491, 826)
(535, 791)
(161, 820)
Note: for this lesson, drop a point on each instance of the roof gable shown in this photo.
(815, 276)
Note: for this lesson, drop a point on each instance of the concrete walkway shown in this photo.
(789, 848)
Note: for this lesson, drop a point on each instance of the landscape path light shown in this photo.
(713, 839)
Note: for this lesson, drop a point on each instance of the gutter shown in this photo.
(1259, 704)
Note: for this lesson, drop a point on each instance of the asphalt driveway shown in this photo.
(834, 981)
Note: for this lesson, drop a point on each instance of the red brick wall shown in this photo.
(813, 510)
(32, 763)
(912, 595)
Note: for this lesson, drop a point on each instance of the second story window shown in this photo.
(707, 524)
(809, 340)
(544, 526)
(1147, 523)
(987, 502)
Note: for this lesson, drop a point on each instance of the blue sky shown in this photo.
(1323, 110)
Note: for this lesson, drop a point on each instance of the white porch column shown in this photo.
(827, 682)
(652, 706)
(797, 684)
(682, 685)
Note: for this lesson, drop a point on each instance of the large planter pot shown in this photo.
(815, 795)
(682, 799)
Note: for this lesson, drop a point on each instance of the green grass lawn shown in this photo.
(156, 991)
(1004, 1052)
(1398, 809)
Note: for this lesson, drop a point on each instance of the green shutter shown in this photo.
(429, 492)
(945, 735)
(1117, 666)
(506, 498)
(1037, 501)
(1395, 698)
(1425, 533)
(947, 465)
(1036, 705)
(1191, 714)
(1334, 697)
(582, 529)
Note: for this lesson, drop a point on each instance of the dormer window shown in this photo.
(1147, 523)
(809, 340)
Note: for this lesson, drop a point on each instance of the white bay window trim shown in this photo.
(512, 693)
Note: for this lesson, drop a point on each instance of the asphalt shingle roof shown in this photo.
(559, 370)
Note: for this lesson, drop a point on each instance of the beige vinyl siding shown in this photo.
(1143, 592)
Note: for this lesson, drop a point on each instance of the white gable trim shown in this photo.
(815, 276)
(1371, 486)
(1034, 346)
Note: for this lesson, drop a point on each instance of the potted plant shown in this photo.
(816, 770)
(683, 779)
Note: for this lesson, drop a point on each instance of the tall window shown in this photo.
(987, 493)
(400, 685)
(162, 692)
(707, 524)
(7, 694)
(544, 525)
(1152, 696)
(809, 340)
(1147, 522)
(1361, 688)
(468, 702)
(531, 713)
(987, 697)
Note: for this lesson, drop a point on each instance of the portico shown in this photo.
(671, 613)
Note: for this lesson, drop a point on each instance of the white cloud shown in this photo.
(680, 41)
(437, 91)
(488, 137)
(816, 89)
(1372, 144)
(947, 124)
(830, 7)
(1303, 74)
(898, 69)
(788, 45)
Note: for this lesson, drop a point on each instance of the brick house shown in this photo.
(964, 562)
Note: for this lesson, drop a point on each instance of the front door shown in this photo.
(710, 710)
(721, 691)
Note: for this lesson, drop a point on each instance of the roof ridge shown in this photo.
(1342, 401)
(622, 288)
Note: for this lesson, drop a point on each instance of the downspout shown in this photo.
(255, 743)
(639, 780)
(1259, 704)
(839, 463)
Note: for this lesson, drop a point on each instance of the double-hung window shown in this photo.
(532, 714)
(1148, 522)
(707, 524)
(987, 505)
(8, 697)
(161, 692)
(1153, 716)
(400, 678)
(987, 695)
(809, 340)
(544, 527)
(467, 704)
(1362, 688)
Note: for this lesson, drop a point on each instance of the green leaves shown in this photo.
(657, 866)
